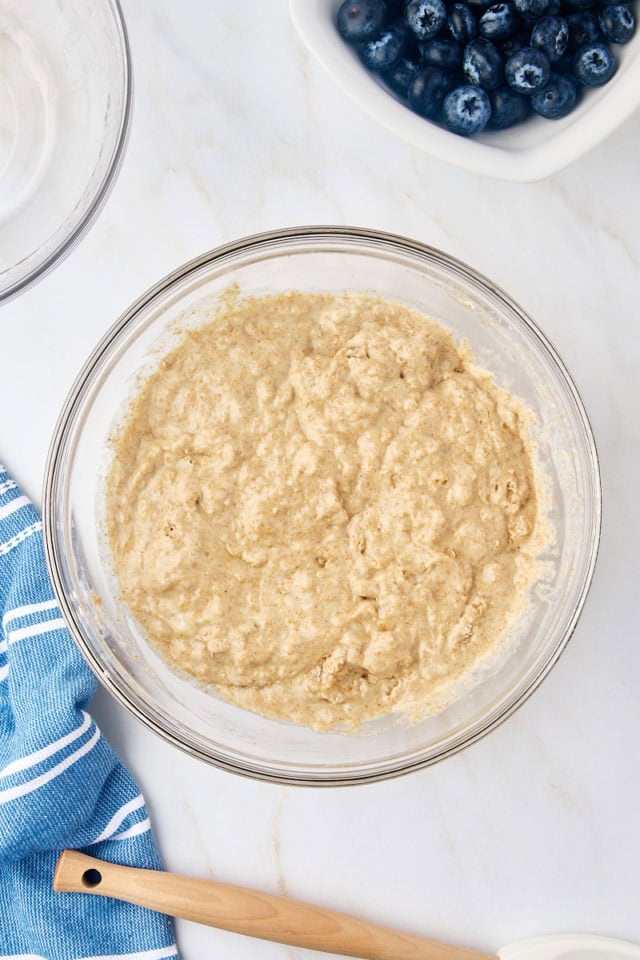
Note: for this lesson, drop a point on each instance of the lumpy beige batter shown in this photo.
(321, 507)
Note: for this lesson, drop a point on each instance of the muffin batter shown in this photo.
(321, 507)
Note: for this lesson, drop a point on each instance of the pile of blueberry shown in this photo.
(472, 64)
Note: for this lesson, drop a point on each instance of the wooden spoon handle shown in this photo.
(248, 911)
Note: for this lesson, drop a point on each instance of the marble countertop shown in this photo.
(534, 829)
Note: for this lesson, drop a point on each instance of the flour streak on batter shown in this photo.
(320, 506)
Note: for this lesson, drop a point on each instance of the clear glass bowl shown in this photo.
(65, 100)
(504, 339)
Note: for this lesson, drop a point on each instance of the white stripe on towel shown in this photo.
(8, 545)
(7, 485)
(11, 793)
(18, 612)
(133, 831)
(33, 630)
(13, 506)
(23, 763)
(160, 954)
(36, 629)
(119, 816)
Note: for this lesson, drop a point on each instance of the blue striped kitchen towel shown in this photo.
(61, 784)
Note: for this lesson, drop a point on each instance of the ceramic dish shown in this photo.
(504, 340)
(531, 151)
(65, 100)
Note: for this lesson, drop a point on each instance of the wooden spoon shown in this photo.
(249, 912)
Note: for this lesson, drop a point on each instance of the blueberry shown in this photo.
(583, 28)
(482, 64)
(466, 110)
(618, 23)
(532, 9)
(554, 8)
(442, 53)
(551, 35)
(507, 108)
(527, 70)
(557, 98)
(401, 76)
(499, 21)
(383, 52)
(360, 20)
(428, 90)
(425, 18)
(462, 22)
(594, 64)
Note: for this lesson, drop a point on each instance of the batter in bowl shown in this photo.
(322, 508)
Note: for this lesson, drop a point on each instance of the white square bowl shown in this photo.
(531, 151)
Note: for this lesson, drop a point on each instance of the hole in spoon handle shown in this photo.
(91, 878)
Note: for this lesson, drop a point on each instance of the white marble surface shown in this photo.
(535, 829)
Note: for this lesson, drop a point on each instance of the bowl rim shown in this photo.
(70, 415)
(69, 242)
(526, 165)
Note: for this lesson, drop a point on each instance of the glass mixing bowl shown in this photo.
(504, 339)
(65, 100)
